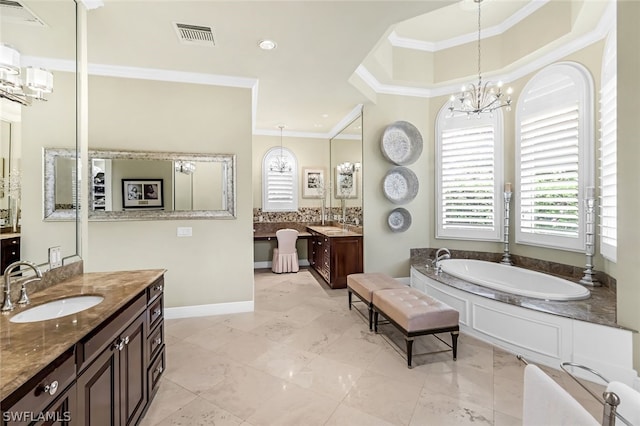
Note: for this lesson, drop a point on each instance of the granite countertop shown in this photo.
(265, 235)
(599, 308)
(334, 231)
(9, 235)
(27, 348)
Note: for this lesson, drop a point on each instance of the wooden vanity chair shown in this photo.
(285, 256)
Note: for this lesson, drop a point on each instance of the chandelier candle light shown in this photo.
(480, 98)
(506, 257)
(590, 206)
(280, 163)
(37, 81)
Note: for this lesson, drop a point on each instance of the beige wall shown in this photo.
(628, 170)
(215, 265)
(50, 124)
(385, 251)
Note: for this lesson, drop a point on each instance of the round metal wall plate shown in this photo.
(401, 143)
(400, 185)
(399, 219)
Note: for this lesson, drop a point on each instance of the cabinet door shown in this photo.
(133, 389)
(346, 258)
(98, 389)
(63, 411)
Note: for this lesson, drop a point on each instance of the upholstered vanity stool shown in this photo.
(285, 256)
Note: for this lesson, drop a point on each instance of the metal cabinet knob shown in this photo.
(157, 312)
(51, 388)
(158, 340)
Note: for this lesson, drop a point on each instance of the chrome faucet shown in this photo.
(7, 306)
(442, 254)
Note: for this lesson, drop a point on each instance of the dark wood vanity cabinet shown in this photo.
(109, 377)
(48, 398)
(9, 251)
(117, 385)
(335, 257)
(112, 388)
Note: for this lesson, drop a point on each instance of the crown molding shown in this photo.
(435, 46)
(171, 75)
(342, 124)
(605, 25)
(92, 4)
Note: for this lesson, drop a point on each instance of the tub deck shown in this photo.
(599, 308)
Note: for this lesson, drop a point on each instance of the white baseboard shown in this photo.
(207, 310)
(404, 280)
(267, 264)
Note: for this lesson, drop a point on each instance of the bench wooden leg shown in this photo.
(454, 344)
(409, 351)
(375, 321)
(349, 296)
(371, 317)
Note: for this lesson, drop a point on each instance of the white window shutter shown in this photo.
(608, 152)
(554, 157)
(469, 177)
(279, 188)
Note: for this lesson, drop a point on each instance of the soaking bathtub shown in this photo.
(544, 331)
(514, 280)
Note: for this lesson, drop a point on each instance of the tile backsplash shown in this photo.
(309, 214)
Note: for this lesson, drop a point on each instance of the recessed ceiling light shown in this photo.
(325, 115)
(317, 125)
(267, 44)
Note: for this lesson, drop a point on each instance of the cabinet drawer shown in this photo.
(155, 372)
(45, 389)
(155, 290)
(155, 341)
(154, 313)
(103, 337)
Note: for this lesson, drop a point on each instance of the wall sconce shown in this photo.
(186, 167)
(348, 167)
(37, 81)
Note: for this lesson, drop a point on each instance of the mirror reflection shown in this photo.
(38, 62)
(145, 185)
(346, 170)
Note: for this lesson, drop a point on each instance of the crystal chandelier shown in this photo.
(279, 164)
(348, 167)
(37, 81)
(482, 98)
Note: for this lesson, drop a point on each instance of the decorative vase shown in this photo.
(15, 213)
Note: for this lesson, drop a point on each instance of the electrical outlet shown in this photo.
(185, 231)
(55, 257)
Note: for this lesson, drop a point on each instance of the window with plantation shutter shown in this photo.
(279, 188)
(469, 177)
(608, 151)
(554, 157)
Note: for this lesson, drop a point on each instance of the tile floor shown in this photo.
(302, 358)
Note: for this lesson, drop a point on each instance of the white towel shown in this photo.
(546, 403)
(629, 406)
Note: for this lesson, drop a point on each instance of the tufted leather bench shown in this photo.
(416, 314)
(365, 284)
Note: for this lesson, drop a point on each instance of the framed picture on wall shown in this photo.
(346, 185)
(313, 183)
(142, 193)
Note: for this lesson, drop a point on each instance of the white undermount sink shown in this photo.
(57, 308)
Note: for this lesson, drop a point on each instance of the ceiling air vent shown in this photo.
(16, 13)
(194, 34)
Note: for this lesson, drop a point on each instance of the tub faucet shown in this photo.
(7, 306)
(442, 254)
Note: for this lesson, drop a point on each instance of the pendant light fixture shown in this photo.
(280, 164)
(480, 98)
